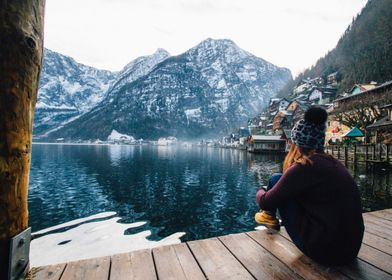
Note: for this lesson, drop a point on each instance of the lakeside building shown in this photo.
(266, 143)
(381, 130)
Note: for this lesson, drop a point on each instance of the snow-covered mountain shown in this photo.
(69, 89)
(209, 89)
(137, 68)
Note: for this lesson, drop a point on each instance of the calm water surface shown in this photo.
(203, 192)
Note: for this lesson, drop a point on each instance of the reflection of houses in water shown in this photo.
(263, 166)
(117, 153)
(375, 186)
(166, 152)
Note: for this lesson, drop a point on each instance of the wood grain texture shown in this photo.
(133, 265)
(216, 261)
(360, 270)
(378, 242)
(288, 253)
(375, 257)
(176, 262)
(91, 269)
(21, 50)
(258, 261)
(52, 272)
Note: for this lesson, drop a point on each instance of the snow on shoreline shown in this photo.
(91, 240)
(116, 136)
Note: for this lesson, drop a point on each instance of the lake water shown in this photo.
(198, 192)
(203, 192)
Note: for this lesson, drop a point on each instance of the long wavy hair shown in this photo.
(302, 156)
(297, 155)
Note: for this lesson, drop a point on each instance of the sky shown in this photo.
(108, 34)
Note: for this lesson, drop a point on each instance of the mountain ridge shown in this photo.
(208, 89)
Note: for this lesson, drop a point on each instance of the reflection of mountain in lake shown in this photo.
(200, 191)
(203, 192)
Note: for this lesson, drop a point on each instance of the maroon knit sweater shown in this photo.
(331, 225)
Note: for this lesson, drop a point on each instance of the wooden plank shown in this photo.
(378, 242)
(51, 272)
(375, 257)
(381, 214)
(362, 270)
(289, 254)
(94, 269)
(357, 270)
(133, 265)
(258, 261)
(216, 261)
(188, 262)
(379, 221)
(378, 228)
(169, 264)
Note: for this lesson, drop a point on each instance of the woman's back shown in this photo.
(332, 225)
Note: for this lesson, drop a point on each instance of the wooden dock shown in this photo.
(250, 255)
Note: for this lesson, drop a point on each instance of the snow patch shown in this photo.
(193, 113)
(116, 136)
(92, 240)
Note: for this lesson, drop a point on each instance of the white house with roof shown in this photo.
(266, 143)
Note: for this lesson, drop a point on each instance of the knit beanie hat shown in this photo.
(310, 132)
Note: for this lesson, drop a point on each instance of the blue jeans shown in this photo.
(289, 213)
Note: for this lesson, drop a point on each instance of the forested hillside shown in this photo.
(363, 53)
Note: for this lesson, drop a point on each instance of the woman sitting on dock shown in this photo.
(317, 198)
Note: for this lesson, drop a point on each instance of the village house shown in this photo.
(322, 95)
(282, 120)
(381, 130)
(266, 143)
(277, 104)
(358, 88)
(335, 130)
(297, 110)
(377, 94)
(332, 79)
(302, 86)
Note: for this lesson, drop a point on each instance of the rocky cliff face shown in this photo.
(67, 90)
(207, 90)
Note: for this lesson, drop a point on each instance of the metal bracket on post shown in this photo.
(19, 255)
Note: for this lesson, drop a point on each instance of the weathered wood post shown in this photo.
(355, 154)
(345, 155)
(21, 50)
(374, 152)
(380, 151)
(366, 153)
(338, 152)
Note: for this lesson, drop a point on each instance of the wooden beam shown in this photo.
(21, 49)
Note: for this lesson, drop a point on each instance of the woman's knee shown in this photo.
(274, 179)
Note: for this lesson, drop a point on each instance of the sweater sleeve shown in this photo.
(293, 182)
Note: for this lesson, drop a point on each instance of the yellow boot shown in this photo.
(266, 219)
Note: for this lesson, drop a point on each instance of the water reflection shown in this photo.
(375, 185)
(203, 192)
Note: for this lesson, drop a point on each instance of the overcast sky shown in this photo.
(108, 34)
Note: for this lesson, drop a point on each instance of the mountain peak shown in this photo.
(161, 51)
(213, 43)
